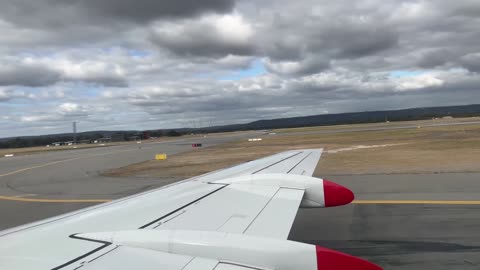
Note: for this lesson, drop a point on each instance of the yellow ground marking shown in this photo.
(416, 202)
(18, 199)
(60, 161)
(160, 156)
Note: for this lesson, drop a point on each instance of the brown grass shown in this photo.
(379, 125)
(423, 150)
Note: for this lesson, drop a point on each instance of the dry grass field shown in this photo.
(380, 125)
(417, 150)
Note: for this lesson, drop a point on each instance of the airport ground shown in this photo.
(416, 185)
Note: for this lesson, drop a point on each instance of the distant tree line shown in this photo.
(86, 137)
(163, 133)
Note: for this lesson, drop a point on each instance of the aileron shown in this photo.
(277, 217)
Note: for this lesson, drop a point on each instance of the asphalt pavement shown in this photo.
(417, 221)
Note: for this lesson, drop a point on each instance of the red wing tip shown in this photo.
(328, 259)
(336, 194)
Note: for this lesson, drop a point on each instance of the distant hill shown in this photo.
(369, 117)
(302, 121)
(355, 118)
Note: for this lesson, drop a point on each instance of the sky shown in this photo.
(149, 64)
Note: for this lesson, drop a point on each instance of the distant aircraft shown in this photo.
(232, 219)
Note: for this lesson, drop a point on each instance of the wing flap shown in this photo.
(122, 257)
(199, 263)
(277, 217)
(230, 210)
(229, 266)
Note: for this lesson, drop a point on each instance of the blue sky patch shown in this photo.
(138, 53)
(256, 68)
(406, 73)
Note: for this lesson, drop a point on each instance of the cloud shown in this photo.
(59, 13)
(5, 95)
(234, 61)
(212, 35)
(98, 72)
(27, 75)
(46, 71)
(418, 82)
(72, 109)
(149, 64)
(471, 61)
(147, 10)
(435, 58)
(8, 93)
(355, 37)
(307, 66)
(37, 118)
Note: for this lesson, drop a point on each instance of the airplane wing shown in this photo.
(235, 218)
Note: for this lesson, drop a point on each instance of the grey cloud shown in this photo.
(314, 97)
(232, 62)
(202, 38)
(435, 58)
(5, 95)
(285, 48)
(471, 62)
(349, 39)
(467, 8)
(199, 43)
(313, 41)
(333, 56)
(28, 75)
(309, 65)
(64, 13)
(9, 94)
(147, 10)
(224, 103)
(359, 44)
(105, 80)
(39, 75)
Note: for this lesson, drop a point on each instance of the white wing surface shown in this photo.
(184, 225)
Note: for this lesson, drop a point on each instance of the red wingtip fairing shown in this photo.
(328, 259)
(336, 194)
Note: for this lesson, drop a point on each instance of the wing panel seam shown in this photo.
(260, 212)
(275, 163)
(299, 162)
